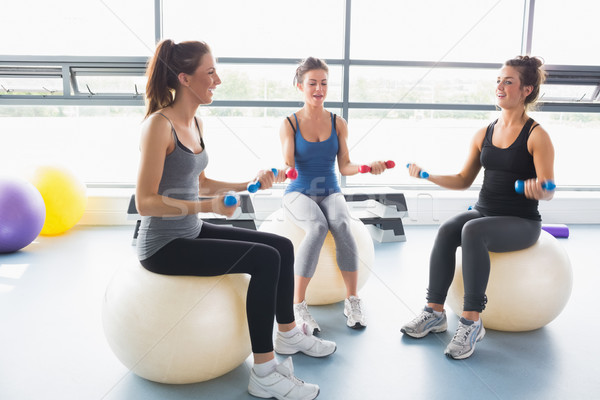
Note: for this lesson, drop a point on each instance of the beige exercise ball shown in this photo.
(527, 289)
(327, 285)
(176, 329)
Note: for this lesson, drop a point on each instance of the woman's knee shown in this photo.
(318, 230)
(449, 232)
(285, 246)
(266, 260)
(472, 230)
(341, 228)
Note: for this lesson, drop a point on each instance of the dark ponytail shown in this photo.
(531, 73)
(169, 60)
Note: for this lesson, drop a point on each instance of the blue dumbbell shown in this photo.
(230, 199)
(422, 174)
(520, 186)
(254, 186)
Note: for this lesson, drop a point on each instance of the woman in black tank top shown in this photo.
(511, 148)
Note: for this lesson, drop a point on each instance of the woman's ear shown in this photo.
(300, 86)
(184, 79)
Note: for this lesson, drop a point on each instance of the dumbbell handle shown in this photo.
(254, 186)
(363, 169)
(546, 185)
(290, 173)
(422, 174)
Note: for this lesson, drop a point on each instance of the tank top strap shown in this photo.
(527, 126)
(297, 123)
(489, 132)
(524, 134)
(172, 127)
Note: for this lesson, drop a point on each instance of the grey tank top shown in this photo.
(179, 181)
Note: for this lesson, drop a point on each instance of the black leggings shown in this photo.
(477, 235)
(219, 250)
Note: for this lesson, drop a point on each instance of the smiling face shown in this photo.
(204, 80)
(314, 86)
(509, 91)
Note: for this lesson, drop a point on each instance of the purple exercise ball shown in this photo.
(22, 214)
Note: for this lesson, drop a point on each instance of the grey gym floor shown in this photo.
(52, 344)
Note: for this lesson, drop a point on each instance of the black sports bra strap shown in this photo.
(291, 124)
(334, 119)
(199, 133)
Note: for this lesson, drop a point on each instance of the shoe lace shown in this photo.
(304, 314)
(424, 316)
(355, 306)
(462, 333)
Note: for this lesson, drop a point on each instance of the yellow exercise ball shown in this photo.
(176, 329)
(64, 195)
(327, 285)
(527, 289)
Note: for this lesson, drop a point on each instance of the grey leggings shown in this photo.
(476, 235)
(316, 216)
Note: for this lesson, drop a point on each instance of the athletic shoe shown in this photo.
(463, 343)
(426, 322)
(302, 316)
(305, 342)
(353, 311)
(281, 384)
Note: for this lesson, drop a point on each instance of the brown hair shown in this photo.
(531, 73)
(169, 60)
(309, 64)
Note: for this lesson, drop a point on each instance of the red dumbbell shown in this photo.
(363, 169)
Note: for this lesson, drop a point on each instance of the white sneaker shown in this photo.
(305, 342)
(353, 311)
(302, 316)
(281, 384)
(467, 335)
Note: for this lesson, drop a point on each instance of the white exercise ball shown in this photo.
(176, 329)
(327, 285)
(527, 289)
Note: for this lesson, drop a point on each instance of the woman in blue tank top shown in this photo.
(511, 148)
(174, 241)
(312, 140)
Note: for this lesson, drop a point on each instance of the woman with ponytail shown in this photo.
(174, 241)
(513, 147)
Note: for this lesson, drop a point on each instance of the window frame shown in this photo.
(68, 68)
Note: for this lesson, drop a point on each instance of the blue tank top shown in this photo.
(315, 163)
(502, 167)
(179, 181)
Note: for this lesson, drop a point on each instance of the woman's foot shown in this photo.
(301, 339)
(465, 338)
(428, 321)
(302, 316)
(353, 311)
(281, 384)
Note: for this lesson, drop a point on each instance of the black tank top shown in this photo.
(502, 167)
